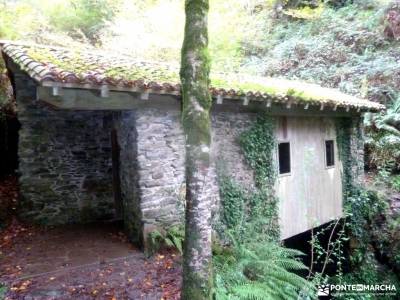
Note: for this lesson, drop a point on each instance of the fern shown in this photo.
(173, 238)
(258, 271)
(256, 291)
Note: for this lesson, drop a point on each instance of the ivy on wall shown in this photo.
(233, 201)
(361, 205)
(343, 139)
(253, 213)
(367, 212)
(355, 199)
(258, 145)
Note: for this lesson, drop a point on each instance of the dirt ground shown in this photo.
(82, 262)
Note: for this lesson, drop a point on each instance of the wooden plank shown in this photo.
(82, 99)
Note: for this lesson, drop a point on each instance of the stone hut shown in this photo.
(101, 138)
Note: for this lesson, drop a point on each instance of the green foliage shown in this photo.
(261, 270)
(173, 239)
(57, 22)
(258, 145)
(373, 231)
(82, 17)
(18, 20)
(249, 215)
(370, 272)
(343, 139)
(364, 209)
(387, 240)
(369, 220)
(3, 291)
(383, 142)
(396, 183)
(362, 61)
(6, 98)
(233, 202)
(361, 206)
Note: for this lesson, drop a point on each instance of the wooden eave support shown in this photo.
(246, 101)
(104, 91)
(56, 90)
(144, 96)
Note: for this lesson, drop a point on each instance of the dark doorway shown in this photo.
(115, 152)
(9, 127)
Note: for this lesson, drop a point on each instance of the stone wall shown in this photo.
(64, 161)
(161, 158)
(226, 130)
(124, 123)
(152, 170)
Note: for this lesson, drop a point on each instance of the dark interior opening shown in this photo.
(9, 127)
(284, 158)
(330, 153)
(116, 182)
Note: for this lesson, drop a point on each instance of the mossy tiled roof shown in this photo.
(69, 67)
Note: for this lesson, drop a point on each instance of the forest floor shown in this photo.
(92, 261)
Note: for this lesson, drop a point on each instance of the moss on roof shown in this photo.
(113, 70)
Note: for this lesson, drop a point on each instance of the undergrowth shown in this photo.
(172, 239)
(259, 270)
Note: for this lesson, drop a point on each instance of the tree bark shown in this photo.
(195, 69)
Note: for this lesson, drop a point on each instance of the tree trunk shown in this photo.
(195, 69)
